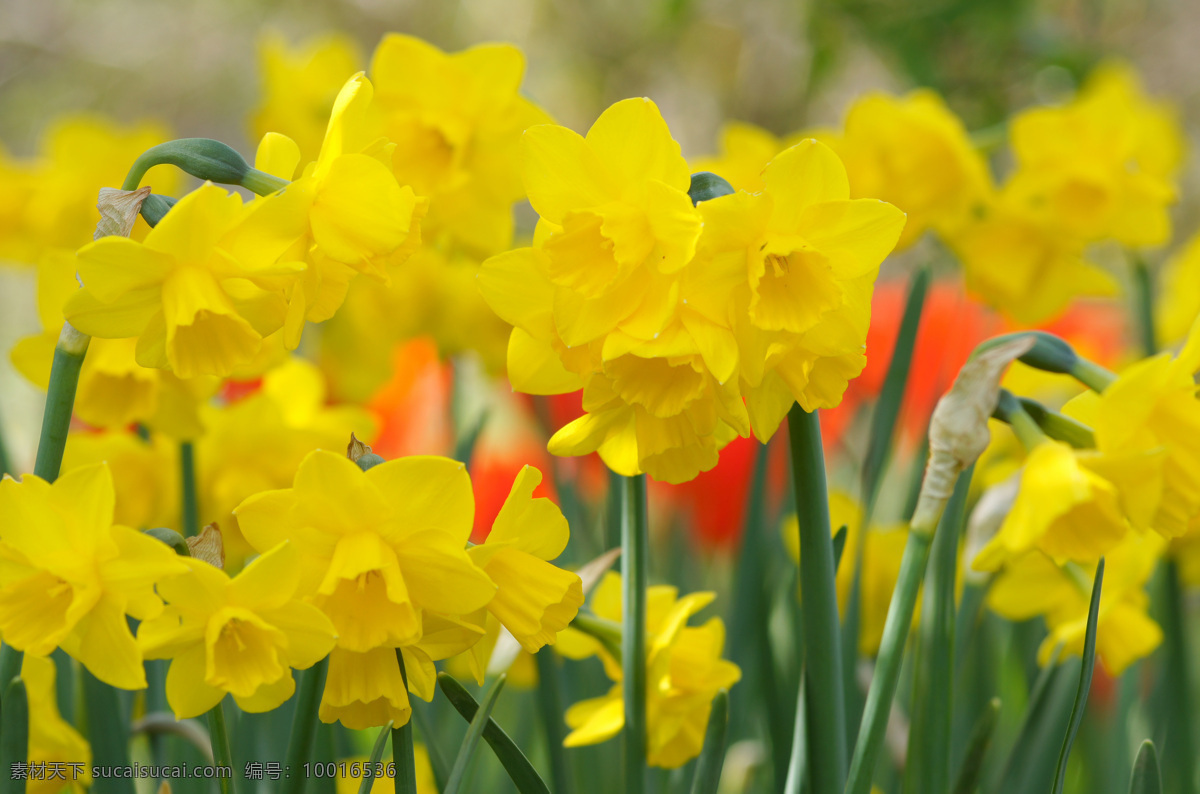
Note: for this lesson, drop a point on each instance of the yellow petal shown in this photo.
(102, 643)
(632, 141)
(562, 172)
(441, 576)
(113, 266)
(427, 492)
(805, 174)
(268, 696)
(277, 155)
(187, 691)
(534, 367)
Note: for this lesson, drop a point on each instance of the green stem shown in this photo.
(1178, 752)
(304, 726)
(14, 736)
(6, 466)
(634, 551)
(262, 183)
(891, 649)
(222, 755)
(550, 704)
(1143, 309)
(60, 401)
(1092, 375)
(825, 708)
(928, 766)
(187, 474)
(606, 631)
(402, 746)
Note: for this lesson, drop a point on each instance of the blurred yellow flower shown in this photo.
(239, 636)
(384, 784)
(1103, 165)
(189, 292)
(52, 740)
(48, 203)
(684, 672)
(70, 575)
(256, 443)
(745, 152)
(1023, 262)
(1178, 303)
(913, 152)
(882, 548)
(1032, 584)
(299, 84)
(456, 120)
(144, 471)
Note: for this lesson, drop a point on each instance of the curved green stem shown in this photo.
(825, 711)
(60, 401)
(634, 548)
(222, 754)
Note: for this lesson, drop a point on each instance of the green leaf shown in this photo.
(797, 773)
(1028, 763)
(928, 766)
(550, 708)
(1175, 691)
(368, 777)
(520, 771)
(1085, 681)
(712, 756)
(474, 733)
(825, 705)
(839, 546)
(14, 736)
(1146, 779)
(977, 747)
(441, 769)
(304, 725)
(108, 733)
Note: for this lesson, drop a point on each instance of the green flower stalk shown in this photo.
(634, 553)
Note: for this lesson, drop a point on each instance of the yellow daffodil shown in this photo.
(48, 203)
(790, 273)
(1023, 262)
(241, 636)
(1178, 301)
(913, 152)
(456, 120)
(684, 673)
(1064, 507)
(52, 740)
(1151, 410)
(144, 471)
(70, 576)
(1032, 584)
(356, 213)
(189, 291)
(1102, 166)
(299, 85)
(377, 548)
(534, 600)
(256, 443)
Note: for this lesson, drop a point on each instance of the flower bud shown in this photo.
(707, 185)
(205, 159)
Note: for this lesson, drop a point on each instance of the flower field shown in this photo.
(415, 410)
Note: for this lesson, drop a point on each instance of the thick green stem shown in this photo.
(634, 552)
(187, 475)
(60, 401)
(550, 704)
(1092, 375)
(222, 754)
(304, 726)
(402, 746)
(1178, 751)
(825, 708)
(1143, 308)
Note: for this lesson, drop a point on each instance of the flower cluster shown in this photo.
(1100, 167)
(684, 672)
(684, 325)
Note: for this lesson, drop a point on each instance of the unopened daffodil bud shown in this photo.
(205, 159)
(707, 185)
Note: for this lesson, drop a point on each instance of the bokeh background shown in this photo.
(782, 64)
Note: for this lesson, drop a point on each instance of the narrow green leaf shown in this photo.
(1085, 681)
(304, 726)
(712, 756)
(797, 772)
(891, 396)
(635, 564)
(14, 736)
(441, 769)
(520, 771)
(1176, 689)
(550, 708)
(977, 747)
(474, 733)
(368, 777)
(1023, 761)
(108, 733)
(826, 707)
(1146, 779)
(839, 546)
(464, 448)
(928, 766)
